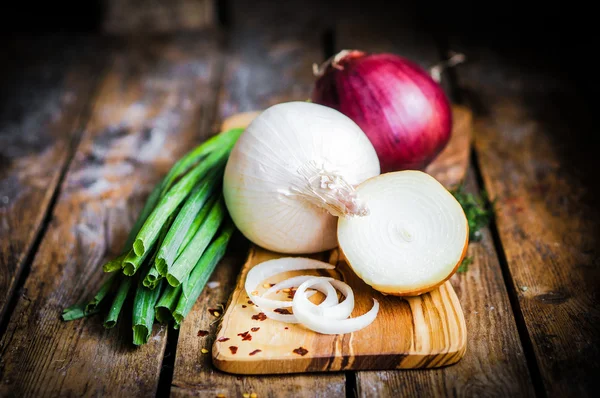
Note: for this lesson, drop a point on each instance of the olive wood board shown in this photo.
(425, 331)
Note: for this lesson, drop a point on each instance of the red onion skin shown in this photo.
(404, 112)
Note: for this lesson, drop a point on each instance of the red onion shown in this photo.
(400, 107)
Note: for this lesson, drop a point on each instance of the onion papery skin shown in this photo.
(414, 239)
(264, 184)
(404, 112)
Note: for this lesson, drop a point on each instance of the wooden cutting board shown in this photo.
(425, 331)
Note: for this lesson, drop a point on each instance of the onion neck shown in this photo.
(329, 190)
(335, 61)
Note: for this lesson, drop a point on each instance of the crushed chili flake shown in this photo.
(259, 317)
(283, 311)
(255, 352)
(233, 349)
(244, 306)
(221, 339)
(245, 336)
(250, 302)
(300, 351)
(255, 329)
(202, 333)
(204, 351)
(286, 328)
(214, 311)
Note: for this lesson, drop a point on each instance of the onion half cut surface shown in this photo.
(414, 238)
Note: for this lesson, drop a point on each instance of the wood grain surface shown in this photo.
(53, 79)
(155, 103)
(269, 60)
(494, 364)
(128, 17)
(538, 161)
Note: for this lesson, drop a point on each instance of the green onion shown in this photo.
(201, 272)
(167, 303)
(180, 190)
(191, 232)
(115, 308)
(143, 312)
(182, 166)
(102, 292)
(77, 311)
(152, 277)
(177, 233)
(115, 264)
(189, 257)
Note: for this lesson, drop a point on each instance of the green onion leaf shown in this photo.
(167, 303)
(102, 292)
(143, 312)
(201, 272)
(115, 309)
(186, 217)
(189, 257)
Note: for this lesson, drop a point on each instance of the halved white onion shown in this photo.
(414, 237)
(325, 324)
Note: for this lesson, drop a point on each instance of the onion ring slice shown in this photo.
(323, 324)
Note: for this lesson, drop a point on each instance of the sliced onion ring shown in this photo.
(339, 311)
(331, 298)
(270, 268)
(323, 324)
(324, 287)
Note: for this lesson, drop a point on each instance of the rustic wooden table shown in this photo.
(91, 123)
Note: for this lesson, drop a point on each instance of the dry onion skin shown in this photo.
(293, 172)
(414, 237)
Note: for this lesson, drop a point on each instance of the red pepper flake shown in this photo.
(300, 351)
(222, 339)
(245, 336)
(244, 306)
(255, 352)
(202, 333)
(250, 302)
(255, 329)
(259, 317)
(286, 328)
(283, 311)
(271, 284)
(214, 311)
(233, 349)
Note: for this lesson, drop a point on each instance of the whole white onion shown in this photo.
(293, 172)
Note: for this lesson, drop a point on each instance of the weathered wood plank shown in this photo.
(270, 61)
(156, 102)
(130, 17)
(45, 94)
(536, 146)
(494, 364)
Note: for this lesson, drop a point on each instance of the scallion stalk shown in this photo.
(185, 218)
(222, 144)
(190, 255)
(115, 309)
(201, 272)
(101, 294)
(167, 303)
(143, 312)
